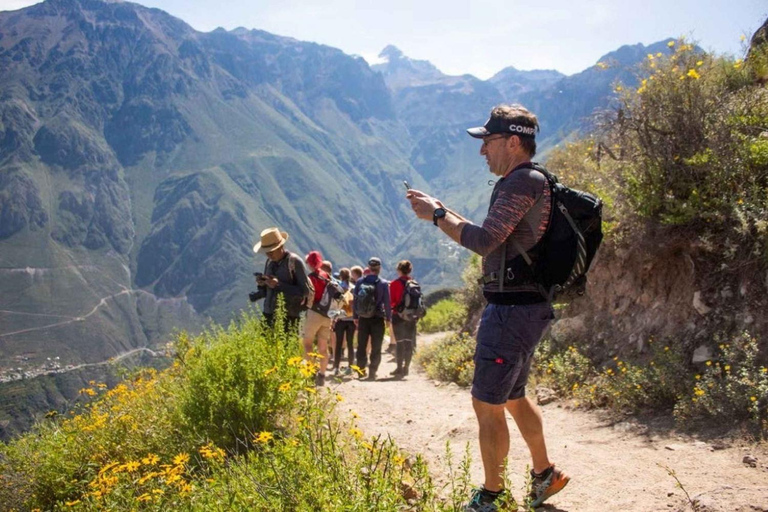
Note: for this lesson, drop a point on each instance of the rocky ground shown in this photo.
(617, 466)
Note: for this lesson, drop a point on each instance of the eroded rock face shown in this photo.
(20, 203)
(672, 291)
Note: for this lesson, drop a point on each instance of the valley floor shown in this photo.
(613, 466)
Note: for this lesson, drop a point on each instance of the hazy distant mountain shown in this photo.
(512, 83)
(567, 105)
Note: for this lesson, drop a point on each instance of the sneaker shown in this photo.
(484, 501)
(405, 371)
(319, 380)
(336, 372)
(347, 371)
(397, 373)
(546, 485)
(371, 376)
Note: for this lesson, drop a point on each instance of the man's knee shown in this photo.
(486, 412)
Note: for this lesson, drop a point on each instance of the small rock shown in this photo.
(545, 396)
(719, 445)
(670, 494)
(701, 354)
(408, 492)
(409, 421)
(673, 447)
(699, 306)
(705, 504)
(750, 461)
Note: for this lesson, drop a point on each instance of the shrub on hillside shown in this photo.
(235, 423)
(450, 359)
(733, 386)
(692, 141)
(445, 315)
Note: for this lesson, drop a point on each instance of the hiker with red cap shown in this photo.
(284, 274)
(318, 324)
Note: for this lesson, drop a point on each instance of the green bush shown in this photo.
(235, 424)
(450, 359)
(446, 315)
(733, 386)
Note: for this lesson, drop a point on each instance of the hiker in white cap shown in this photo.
(284, 274)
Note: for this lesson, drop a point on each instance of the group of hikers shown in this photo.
(518, 294)
(354, 300)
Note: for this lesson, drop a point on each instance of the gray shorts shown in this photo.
(506, 340)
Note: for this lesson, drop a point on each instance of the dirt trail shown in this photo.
(614, 466)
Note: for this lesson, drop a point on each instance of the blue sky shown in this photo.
(480, 37)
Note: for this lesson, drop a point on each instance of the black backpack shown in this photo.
(559, 262)
(365, 300)
(411, 305)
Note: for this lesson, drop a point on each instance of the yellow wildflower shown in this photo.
(150, 460)
(285, 386)
(144, 497)
(700, 63)
(263, 437)
(693, 74)
(650, 56)
(671, 44)
(727, 367)
(132, 466)
(356, 432)
(753, 398)
(310, 389)
(294, 361)
(658, 54)
(271, 370)
(181, 459)
(742, 38)
(72, 503)
(709, 363)
(339, 398)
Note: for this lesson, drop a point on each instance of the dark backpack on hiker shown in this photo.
(332, 292)
(365, 300)
(559, 261)
(411, 305)
(309, 297)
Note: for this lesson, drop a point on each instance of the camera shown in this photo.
(258, 275)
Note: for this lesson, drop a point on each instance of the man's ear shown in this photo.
(514, 141)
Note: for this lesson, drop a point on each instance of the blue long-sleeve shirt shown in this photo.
(383, 307)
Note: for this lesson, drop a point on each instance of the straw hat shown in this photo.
(271, 239)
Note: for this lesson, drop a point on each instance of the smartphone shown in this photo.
(407, 186)
(258, 275)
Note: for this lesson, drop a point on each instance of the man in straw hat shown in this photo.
(284, 273)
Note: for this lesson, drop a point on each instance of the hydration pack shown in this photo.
(559, 261)
(332, 292)
(365, 301)
(411, 305)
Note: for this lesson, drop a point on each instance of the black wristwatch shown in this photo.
(439, 213)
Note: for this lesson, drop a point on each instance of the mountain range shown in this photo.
(140, 159)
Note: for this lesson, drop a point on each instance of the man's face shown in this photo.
(498, 153)
(276, 255)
